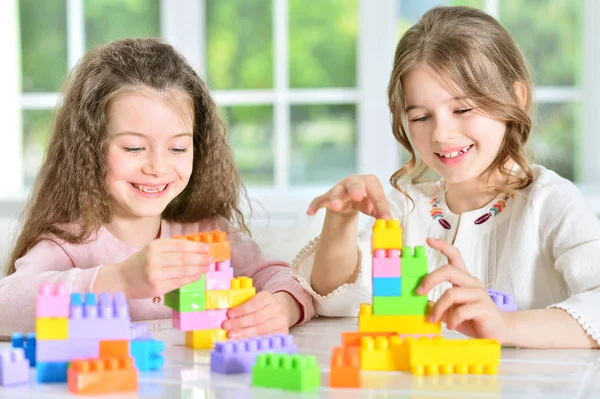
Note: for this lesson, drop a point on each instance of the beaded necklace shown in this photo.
(438, 214)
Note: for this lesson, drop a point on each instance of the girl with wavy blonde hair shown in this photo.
(460, 95)
(138, 155)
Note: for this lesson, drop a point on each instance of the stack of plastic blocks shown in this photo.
(200, 308)
(146, 352)
(27, 344)
(14, 367)
(239, 356)
(288, 372)
(506, 302)
(397, 272)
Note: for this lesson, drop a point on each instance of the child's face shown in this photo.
(442, 123)
(150, 151)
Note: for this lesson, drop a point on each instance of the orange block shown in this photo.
(353, 338)
(114, 348)
(216, 239)
(103, 375)
(345, 367)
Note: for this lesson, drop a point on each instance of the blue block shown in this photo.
(387, 286)
(147, 353)
(52, 371)
(28, 345)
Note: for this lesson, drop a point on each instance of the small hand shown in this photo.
(466, 307)
(262, 314)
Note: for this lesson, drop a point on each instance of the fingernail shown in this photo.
(431, 319)
(232, 335)
(420, 290)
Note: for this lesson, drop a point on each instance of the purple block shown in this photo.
(139, 330)
(106, 319)
(504, 301)
(233, 357)
(54, 351)
(14, 367)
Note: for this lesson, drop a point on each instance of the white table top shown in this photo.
(522, 373)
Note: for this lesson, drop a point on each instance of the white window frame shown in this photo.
(182, 24)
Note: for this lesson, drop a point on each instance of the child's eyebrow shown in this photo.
(143, 135)
(457, 98)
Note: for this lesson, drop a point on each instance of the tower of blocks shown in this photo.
(397, 272)
(89, 340)
(200, 308)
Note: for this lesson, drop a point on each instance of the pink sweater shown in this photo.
(52, 260)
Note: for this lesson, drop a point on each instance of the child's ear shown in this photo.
(521, 93)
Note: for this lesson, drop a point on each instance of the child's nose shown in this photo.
(443, 130)
(157, 166)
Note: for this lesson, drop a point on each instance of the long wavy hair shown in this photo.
(70, 187)
(473, 51)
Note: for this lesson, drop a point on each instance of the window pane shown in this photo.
(239, 44)
(553, 44)
(43, 44)
(36, 132)
(412, 10)
(323, 41)
(555, 140)
(108, 20)
(251, 133)
(323, 143)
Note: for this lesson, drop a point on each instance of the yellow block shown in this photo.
(387, 234)
(241, 290)
(463, 356)
(52, 328)
(418, 324)
(383, 354)
(204, 339)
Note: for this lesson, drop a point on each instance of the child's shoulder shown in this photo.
(549, 187)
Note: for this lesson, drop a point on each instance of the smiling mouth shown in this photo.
(150, 189)
(454, 154)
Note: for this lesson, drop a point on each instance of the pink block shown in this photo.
(52, 301)
(219, 277)
(386, 263)
(205, 320)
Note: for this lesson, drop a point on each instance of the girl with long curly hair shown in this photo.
(460, 95)
(138, 155)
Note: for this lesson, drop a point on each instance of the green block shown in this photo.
(409, 286)
(399, 305)
(185, 302)
(283, 371)
(413, 265)
(195, 287)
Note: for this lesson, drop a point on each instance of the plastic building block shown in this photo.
(367, 322)
(51, 371)
(28, 344)
(463, 356)
(387, 286)
(386, 263)
(185, 302)
(414, 264)
(196, 287)
(354, 338)
(148, 354)
(383, 354)
(52, 301)
(289, 372)
(53, 351)
(204, 339)
(112, 348)
(345, 368)
(217, 240)
(49, 328)
(219, 276)
(241, 290)
(14, 367)
(205, 320)
(504, 301)
(106, 319)
(139, 330)
(387, 234)
(400, 305)
(104, 375)
(239, 356)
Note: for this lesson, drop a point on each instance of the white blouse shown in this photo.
(542, 246)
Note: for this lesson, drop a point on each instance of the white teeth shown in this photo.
(455, 153)
(150, 189)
